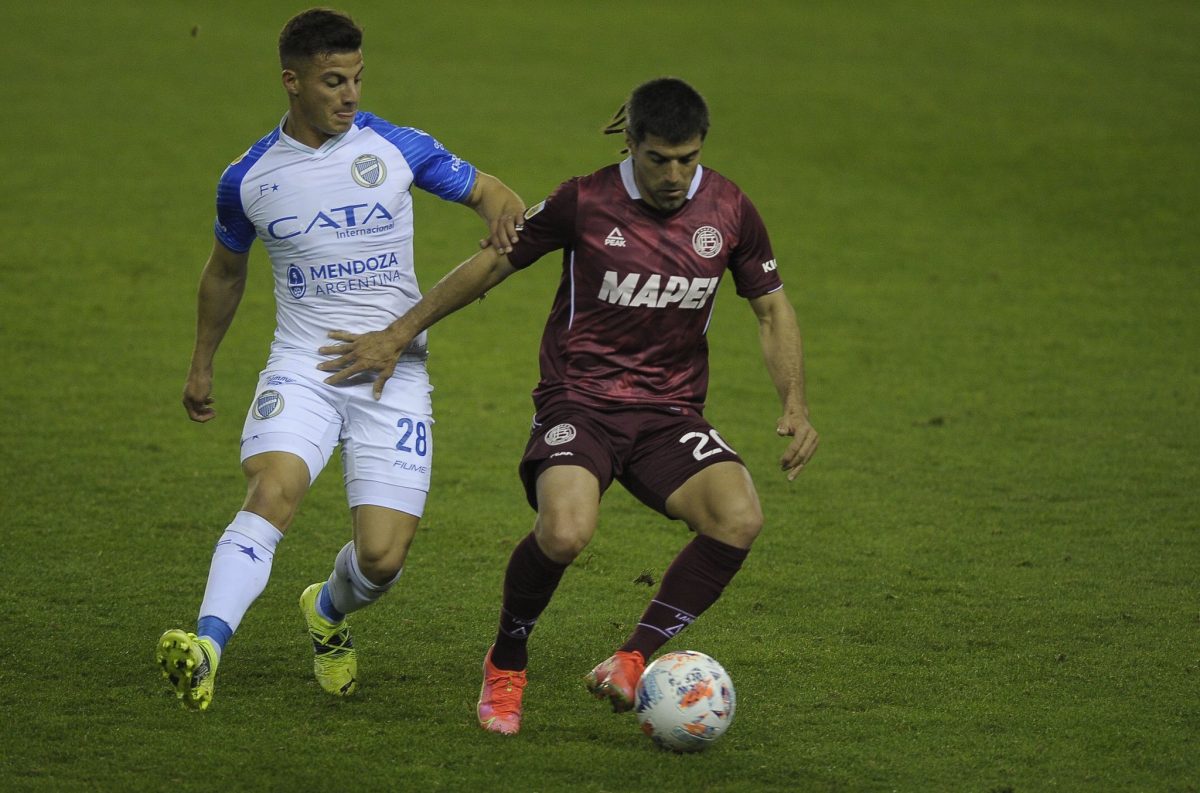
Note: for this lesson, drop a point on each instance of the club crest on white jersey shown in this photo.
(368, 170)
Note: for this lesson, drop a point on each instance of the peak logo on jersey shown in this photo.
(268, 404)
(707, 241)
(615, 239)
(560, 434)
(296, 283)
(368, 170)
(337, 219)
(632, 291)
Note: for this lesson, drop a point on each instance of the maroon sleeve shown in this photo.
(548, 226)
(752, 262)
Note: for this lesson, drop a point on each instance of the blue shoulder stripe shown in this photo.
(232, 227)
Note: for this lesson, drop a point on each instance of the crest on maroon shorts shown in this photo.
(560, 434)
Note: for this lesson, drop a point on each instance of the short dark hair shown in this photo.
(317, 31)
(667, 108)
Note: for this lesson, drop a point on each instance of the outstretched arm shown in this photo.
(221, 286)
(378, 351)
(783, 351)
(500, 208)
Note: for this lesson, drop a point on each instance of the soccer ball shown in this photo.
(685, 701)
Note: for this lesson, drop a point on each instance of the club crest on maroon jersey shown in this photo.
(707, 241)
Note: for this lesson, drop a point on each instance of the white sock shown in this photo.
(350, 590)
(241, 565)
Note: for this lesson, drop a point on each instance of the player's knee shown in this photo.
(738, 526)
(562, 541)
(563, 548)
(275, 499)
(746, 527)
(380, 571)
(380, 563)
(564, 527)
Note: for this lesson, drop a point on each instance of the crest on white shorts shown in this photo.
(560, 434)
(268, 404)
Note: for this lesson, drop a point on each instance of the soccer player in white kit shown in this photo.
(328, 193)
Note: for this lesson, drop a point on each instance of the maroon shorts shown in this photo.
(650, 452)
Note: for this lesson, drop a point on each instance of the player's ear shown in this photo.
(291, 82)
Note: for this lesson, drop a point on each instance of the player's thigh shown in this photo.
(683, 468)
(291, 413)
(570, 436)
(275, 485)
(719, 501)
(289, 434)
(568, 498)
(388, 441)
(669, 451)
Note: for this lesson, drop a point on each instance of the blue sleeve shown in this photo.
(435, 169)
(233, 228)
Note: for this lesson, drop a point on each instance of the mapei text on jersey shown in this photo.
(652, 293)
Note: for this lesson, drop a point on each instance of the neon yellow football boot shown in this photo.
(335, 661)
(190, 665)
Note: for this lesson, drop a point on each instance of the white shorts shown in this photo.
(387, 445)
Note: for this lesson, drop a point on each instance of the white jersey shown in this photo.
(337, 222)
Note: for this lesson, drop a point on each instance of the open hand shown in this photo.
(371, 353)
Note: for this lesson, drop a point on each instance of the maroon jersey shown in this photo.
(629, 320)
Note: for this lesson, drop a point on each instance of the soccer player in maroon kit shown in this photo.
(624, 374)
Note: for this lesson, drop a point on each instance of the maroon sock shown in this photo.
(691, 584)
(529, 583)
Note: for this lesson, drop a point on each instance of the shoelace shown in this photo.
(508, 698)
(334, 643)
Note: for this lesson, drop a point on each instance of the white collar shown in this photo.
(631, 184)
(328, 145)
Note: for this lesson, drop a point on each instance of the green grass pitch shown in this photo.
(987, 580)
